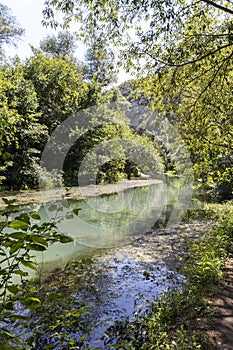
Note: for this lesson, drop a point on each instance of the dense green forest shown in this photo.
(41, 93)
(188, 83)
(182, 52)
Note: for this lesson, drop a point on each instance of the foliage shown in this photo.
(10, 30)
(184, 49)
(63, 45)
(59, 88)
(22, 236)
(168, 33)
(202, 116)
(41, 94)
(106, 149)
(100, 63)
(21, 134)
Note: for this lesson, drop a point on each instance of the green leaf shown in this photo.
(79, 312)
(65, 239)
(21, 273)
(17, 224)
(24, 218)
(35, 216)
(18, 235)
(29, 264)
(15, 247)
(36, 247)
(8, 201)
(76, 211)
(8, 335)
(13, 289)
(18, 317)
(40, 240)
(30, 301)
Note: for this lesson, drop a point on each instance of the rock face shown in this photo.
(137, 105)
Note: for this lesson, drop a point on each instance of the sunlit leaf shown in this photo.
(40, 240)
(30, 301)
(17, 224)
(35, 216)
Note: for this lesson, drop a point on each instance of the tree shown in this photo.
(166, 33)
(21, 135)
(106, 149)
(10, 30)
(62, 45)
(153, 36)
(100, 63)
(203, 117)
(184, 48)
(59, 87)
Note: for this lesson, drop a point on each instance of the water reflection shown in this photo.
(108, 221)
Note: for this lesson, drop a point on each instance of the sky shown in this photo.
(29, 15)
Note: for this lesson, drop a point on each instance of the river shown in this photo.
(113, 215)
(129, 246)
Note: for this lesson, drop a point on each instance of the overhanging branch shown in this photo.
(222, 8)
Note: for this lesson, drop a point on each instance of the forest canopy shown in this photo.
(182, 54)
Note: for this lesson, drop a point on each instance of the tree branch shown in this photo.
(222, 8)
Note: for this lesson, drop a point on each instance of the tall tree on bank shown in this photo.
(59, 87)
(62, 45)
(21, 134)
(10, 30)
(100, 65)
